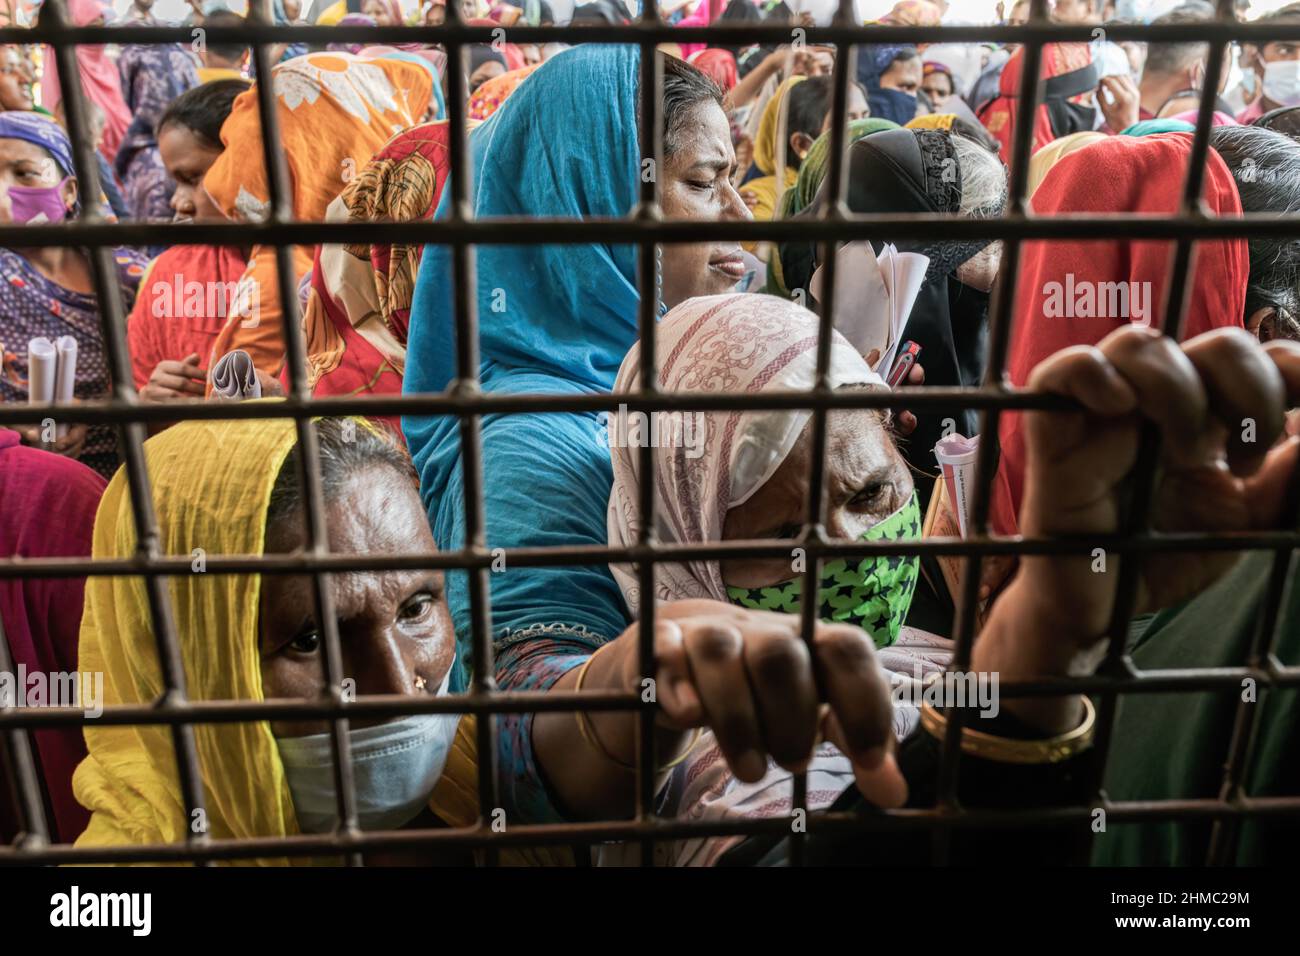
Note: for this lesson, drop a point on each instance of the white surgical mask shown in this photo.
(1282, 82)
(395, 766)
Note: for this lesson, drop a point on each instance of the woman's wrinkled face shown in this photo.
(187, 159)
(903, 75)
(394, 627)
(26, 164)
(697, 185)
(15, 87)
(867, 481)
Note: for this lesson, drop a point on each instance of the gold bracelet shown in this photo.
(1009, 750)
(588, 732)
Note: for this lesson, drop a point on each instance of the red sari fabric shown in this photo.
(359, 306)
(49, 511)
(999, 116)
(182, 305)
(1140, 175)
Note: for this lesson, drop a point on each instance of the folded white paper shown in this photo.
(234, 377)
(874, 296)
(52, 373)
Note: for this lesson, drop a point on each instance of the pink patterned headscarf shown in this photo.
(709, 462)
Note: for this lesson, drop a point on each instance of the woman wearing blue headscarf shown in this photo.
(558, 319)
(891, 75)
(48, 291)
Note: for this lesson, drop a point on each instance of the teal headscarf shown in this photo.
(553, 319)
(1152, 126)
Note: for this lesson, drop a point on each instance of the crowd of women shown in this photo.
(743, 702)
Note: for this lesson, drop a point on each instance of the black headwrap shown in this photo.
(916, 171)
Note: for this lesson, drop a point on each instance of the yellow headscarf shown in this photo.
(770, 127)
(942, 121)
(212, 485)
(1051, 154)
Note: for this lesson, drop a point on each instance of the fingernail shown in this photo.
(750, 766)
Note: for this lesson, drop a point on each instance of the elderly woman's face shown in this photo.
(394, 627)
(697, 185)
(867, 480)
(26, 164)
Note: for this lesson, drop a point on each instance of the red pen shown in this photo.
(906, 358)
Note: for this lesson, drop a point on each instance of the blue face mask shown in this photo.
(395, 767)
(893, 105)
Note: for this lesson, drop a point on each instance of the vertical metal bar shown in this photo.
(815, 519)
(465, 307)
(1002, 309)
(309, 474)
(1137, 513)
(131, 434)
(650, 136)
(26, 778)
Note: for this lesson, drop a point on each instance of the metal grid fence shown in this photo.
(645, 227)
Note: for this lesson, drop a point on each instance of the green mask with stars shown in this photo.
(873, 593)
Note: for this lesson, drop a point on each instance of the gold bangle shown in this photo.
(1009, 750)
(588, 732)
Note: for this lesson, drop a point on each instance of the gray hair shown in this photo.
(983, 179)
(1265, 166)
(348, 447)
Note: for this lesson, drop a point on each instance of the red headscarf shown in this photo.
(1070, 73)
(49, 511)
(1125, 174)
(359, 307)
(718, 65)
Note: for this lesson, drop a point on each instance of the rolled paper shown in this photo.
(42, 371)
(956, 456)
(234, 377)
(65, 376)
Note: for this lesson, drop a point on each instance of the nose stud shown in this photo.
(419, 682)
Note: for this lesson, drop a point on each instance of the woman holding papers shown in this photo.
(927, 171)
(47, 292)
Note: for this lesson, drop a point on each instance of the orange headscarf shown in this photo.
(336, 110)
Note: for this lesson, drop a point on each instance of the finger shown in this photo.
(858, 693)
(177, 384)
(785, 694)
(1168, 388)
(1285, 355)
(1083, 373)
(916, 375)
(715, 649)
(1244, 389)
(906, 422)
(673, 691)
(883, 784)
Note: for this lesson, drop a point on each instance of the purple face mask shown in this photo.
(38, 204)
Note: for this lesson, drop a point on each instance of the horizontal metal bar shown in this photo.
(521, 835)
(1180, 681)
(740, 34)
(587, 555)
(541, 231)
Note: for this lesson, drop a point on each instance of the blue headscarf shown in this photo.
(40, 130)
(553, 319)
(893, 105)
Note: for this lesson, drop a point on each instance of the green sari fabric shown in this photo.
(1170, 746)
